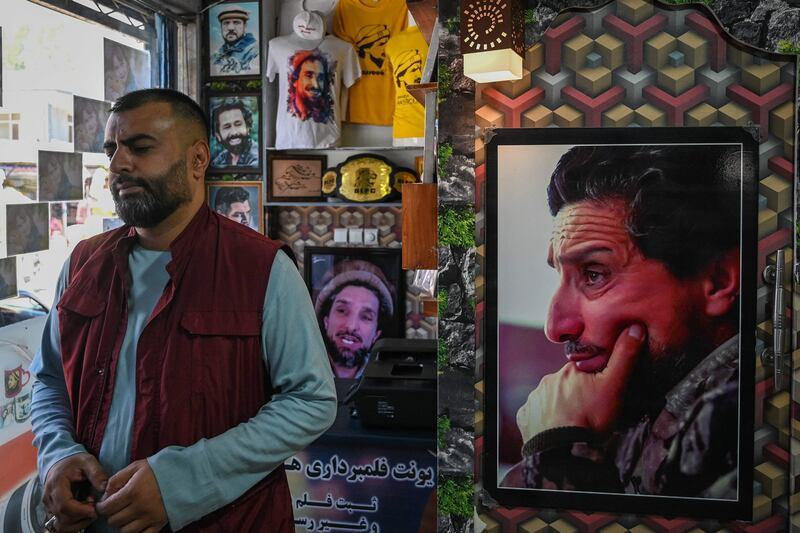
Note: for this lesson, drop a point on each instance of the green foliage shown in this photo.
(442, 427)
(445, 80)
(473, 302)
(442, 297)
(455, 497)
(253, 85)
(218, 86)
(682, 2)
(441, 355)
(786, 46)
(452, 25)
(530, 17)
(457, 227)
(445, 153)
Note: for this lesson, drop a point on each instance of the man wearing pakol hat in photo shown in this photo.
(354, 307)
(238, 55)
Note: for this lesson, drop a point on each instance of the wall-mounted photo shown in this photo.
(126, 69)
(90, 123)
(8, 277)
(619, 314)
(359, 297)
(19, 182)
(294, 178)
(60, 176)
(235, 132)
(233, 37)
(239, 201)
(27, 228)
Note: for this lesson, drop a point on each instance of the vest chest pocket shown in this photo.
(81, 319)
(223, 351)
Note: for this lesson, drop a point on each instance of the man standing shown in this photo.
(233, 124)
(646, 246)
(234, 203)
(310, 87)
(353, 308)
(239, 53)
(168, 384)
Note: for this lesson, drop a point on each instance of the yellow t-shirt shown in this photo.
(406, 52)
(368, 25)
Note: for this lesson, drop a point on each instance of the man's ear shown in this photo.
(720, 283)
(199, 157)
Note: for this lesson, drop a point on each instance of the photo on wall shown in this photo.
(619, 310)
(235, 132)
(60, 176)
(239, 201)
(359, 297)
(126, 69)
(27, 228)
(233, 40)
(8, 277)
(90, 124)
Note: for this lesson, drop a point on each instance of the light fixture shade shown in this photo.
(492, 39)
(497, 65)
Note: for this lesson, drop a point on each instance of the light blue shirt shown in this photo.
(198, 479)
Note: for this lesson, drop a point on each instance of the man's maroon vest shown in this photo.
(199, 366)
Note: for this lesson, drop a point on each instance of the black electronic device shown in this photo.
(398, 389)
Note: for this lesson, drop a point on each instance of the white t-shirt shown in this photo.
(291, 8)
(311, 75)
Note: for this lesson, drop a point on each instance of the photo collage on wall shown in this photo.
(64, 196)
(232, 69)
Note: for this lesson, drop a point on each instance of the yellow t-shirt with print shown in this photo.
(406, 52)
(368, 25)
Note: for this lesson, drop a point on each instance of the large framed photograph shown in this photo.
(90, 124)
(239, 201)
(620, 319)
(359, 297)
(295, 178)
(126, 69)
(27, 228)
(235, 132)
(234, 40)
(60, 176)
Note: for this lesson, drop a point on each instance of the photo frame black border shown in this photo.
(259, 134)
(365, 253)
(740, 509)
(206, 46)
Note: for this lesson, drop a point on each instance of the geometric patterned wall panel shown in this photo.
(632, 64)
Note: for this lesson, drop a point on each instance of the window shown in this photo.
(9, 126)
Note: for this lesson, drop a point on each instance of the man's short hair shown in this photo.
(228, 196)
(229, 104)
(181, 105)
(357, 273)
(683, 200)
(301, 57)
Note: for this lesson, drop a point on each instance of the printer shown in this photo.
(398, 388)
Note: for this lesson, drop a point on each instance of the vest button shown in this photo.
(100, 371)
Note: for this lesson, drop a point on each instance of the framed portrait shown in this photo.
(126, 69)
(235, 132)
(295, 178)
(60, 176)
(90, 123)
(8, 277)
(613, 381)
(359, 297)
(233, 39)
(27, 228)
(238, 200)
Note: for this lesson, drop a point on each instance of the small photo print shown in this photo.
(27, 228)
(8, 277)
(60, 176)
(90, 123)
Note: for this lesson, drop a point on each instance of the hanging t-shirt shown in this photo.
(406, 52)
(291, 8)
(368, 25)
(311, 75)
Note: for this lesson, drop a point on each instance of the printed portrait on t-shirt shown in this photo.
(408, 70)
(311, 80)
(370, 42)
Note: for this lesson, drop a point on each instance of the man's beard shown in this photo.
(159, 198)
(237, 149)
(657, 370)
(356, 358)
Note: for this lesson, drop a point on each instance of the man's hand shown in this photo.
(133, 501)
(574, 398)
(59, 499)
